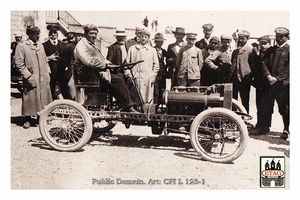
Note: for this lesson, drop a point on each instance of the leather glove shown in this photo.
(31, 84)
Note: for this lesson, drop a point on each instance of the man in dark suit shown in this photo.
(277, 71)
(172, 52)
(53, 48)
(264, 104)
(207, 30)
(160, 81)
(117, 54)
(208, 76)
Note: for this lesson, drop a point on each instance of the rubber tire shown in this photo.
(220, 111)
(86, 119)
(105, 129)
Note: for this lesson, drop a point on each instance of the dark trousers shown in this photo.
(120, 91)
(264, 105)
(57, 83)
(281, 94)
(242, 87)
(159, 88)
(187, 82)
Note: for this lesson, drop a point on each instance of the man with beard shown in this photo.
(31, 60)
(240, 71)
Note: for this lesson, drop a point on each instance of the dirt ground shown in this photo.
(161, 162)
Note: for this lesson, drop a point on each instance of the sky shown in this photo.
(226, 22)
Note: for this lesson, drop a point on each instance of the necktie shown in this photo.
(54, 43)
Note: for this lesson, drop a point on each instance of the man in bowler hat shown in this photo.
(160, 81)
(172, 52)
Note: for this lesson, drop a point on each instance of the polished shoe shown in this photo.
(132, 110)
(263, 130)
(285, 135)
(26, 125)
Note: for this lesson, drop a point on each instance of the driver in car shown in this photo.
(90, 55)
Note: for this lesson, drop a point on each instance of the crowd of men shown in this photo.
(185, 63)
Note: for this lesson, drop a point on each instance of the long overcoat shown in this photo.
(145, 72)
(31, 60)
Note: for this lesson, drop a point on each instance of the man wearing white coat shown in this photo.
(144, 73)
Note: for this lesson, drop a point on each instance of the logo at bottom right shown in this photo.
(272, 172)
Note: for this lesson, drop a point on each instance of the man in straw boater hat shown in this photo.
(117, 55)
(160, 81)
(172, 52)
(31, 60)
(89, 54)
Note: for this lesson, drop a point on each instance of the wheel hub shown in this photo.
(217, 136)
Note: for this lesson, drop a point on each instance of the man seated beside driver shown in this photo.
(90, 55)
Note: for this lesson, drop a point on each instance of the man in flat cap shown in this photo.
(172, 52)
(78, 37)
(144, 73)
(136, 39)
(220, 60)
(240, 72)
(207, 30)
(189, 63)
(31, 60)
(208, 75)
(263, 103)
(53, 48)
(89, 54)
(277, 71)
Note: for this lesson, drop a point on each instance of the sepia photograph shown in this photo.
(155, 99)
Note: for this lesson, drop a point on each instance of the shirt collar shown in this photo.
(179, 44)
(281, 45)
(29, 41)
(146, 46)
(56, 42)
